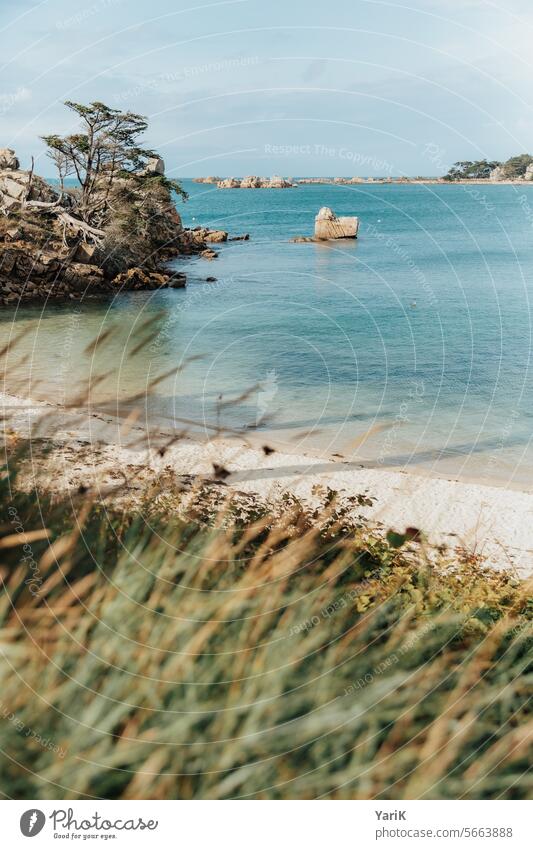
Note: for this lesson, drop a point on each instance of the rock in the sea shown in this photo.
(251, 182)
(278, 183)
(207, 179)
(229, 183)
(138, 278)
(244, 238)
(329, 226)
(216, 236)
(209, 254)
(8, 160)
(178, 281)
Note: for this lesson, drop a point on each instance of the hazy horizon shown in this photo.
(377, 89)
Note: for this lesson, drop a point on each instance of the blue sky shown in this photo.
(355, 87)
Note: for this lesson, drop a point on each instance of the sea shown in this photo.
(408, 348)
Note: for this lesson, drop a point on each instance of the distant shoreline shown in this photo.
(368, 181)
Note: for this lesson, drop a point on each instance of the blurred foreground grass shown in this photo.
(170, 659)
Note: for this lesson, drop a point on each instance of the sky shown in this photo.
(346, 88)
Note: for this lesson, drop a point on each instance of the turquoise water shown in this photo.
(419, 331)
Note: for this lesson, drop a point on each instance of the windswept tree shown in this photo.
(107, 147)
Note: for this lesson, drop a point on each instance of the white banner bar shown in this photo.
(268, 825)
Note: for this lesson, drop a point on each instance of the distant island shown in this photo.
(517, 169)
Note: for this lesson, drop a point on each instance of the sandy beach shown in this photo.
(95, 450)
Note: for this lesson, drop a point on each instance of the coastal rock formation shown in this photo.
(254, 182)
(251, 183)
(497, 174)
(278, 183)
(155, 165)
(229, 183)
(216, 236)
(207, 179)
(329, 226)
(47, 252)
(8, 160)
(47, 249)
(28, 272)
(18, 187)
(137, 278)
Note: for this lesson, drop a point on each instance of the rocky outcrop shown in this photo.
(251, 183)
(17, 187)
(338, 181)
(32, 273)
(216, 236)
(47, 252)
(137, 278)
(197, 239)
(329, 226)
(154, 166)
(8, 160)
(229, 183)
(256, 183)
(207, 179)
(278, 183)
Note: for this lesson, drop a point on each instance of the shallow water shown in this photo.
(419, 331)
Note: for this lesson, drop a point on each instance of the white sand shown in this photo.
(97, 450)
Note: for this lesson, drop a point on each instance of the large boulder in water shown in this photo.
(329, 226)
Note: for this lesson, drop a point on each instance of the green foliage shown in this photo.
(516, 166)
(513, 169)
(108, 148)
(259, 656)
(467, 170)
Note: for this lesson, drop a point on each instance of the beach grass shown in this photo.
(229, 654)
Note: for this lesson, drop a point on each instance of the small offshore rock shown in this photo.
(137, 278)
(178, 281)
(216, 236)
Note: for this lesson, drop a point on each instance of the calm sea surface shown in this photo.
(421, 327)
